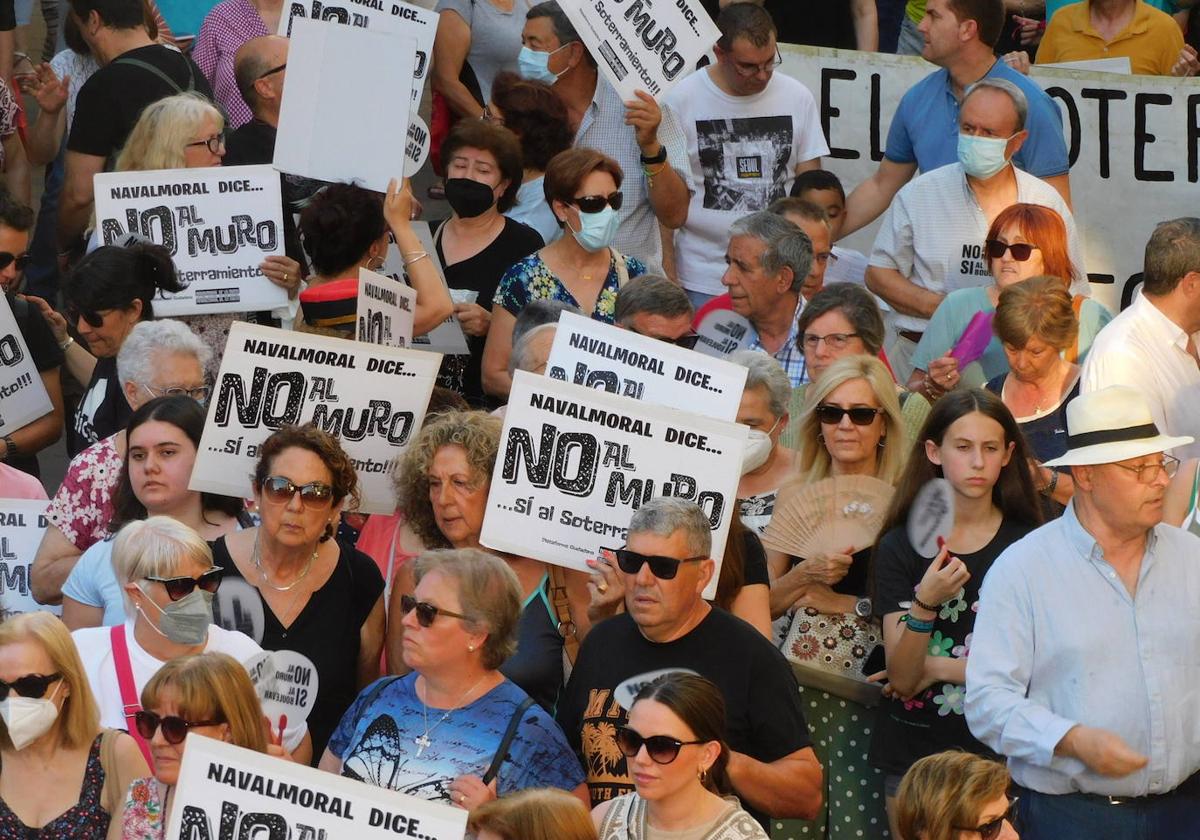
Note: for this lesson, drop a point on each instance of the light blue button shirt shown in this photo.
(1059, 641)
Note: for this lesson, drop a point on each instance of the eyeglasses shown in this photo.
(281, 489)
(215, 144)
(1146, 473)
(273, 71)
(426, 612)
(181, 587)
(595, 203)
(199, 394)
(834, 341)
(1021, 251)
(92, 317)
(687, 341)
(662, 749)
(663, 568)
(32, 686)
(174, 729)
(748, 70)
(991, 829)
(7, 259)
(831, 415)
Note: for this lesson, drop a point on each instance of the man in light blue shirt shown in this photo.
(1084, 667)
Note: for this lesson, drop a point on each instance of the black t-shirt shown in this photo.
(932, 721)
(762, 699)
(103, 410)
(110, 102)
(43, 349)
(754, 558)
(326, 631)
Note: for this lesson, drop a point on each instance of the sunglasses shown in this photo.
(280, 489)
(663, 568)
(174, 729)
(1021, 251)
(6, 259)
(991, 829)
(93, 317)
(215, 143)
(181, 587)
(32, 686)
(426, 612)
(662, 749)
(595, 203)
(687, 341)
(831, 415)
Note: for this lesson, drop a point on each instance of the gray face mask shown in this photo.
(186, 621)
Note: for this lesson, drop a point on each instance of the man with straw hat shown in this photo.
(1084, 667)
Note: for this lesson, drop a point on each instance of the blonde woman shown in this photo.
(50, 738)
(955, 796)
(534, 814)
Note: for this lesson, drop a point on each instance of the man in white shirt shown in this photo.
(1152, 345)
(750, 130)
(931, 240)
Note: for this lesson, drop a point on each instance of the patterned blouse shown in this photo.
(83, 505)
(9, 113)
(145, 817)
(85, 820)
(229, 25)
(531, 279)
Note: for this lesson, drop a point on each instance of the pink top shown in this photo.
(229, 25)
(83, 505)
(19, 485)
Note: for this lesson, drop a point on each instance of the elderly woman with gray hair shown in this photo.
(485, 737)
(764, 408)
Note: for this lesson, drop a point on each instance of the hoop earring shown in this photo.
(375, 267)
(703, 775)
(882, 441)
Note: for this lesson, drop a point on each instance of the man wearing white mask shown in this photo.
(931, 240)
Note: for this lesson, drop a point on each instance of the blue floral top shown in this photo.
(531, 279)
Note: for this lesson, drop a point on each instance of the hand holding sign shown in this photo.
(606, 585)
(645, 116)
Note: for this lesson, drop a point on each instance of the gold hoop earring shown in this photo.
(378, 265)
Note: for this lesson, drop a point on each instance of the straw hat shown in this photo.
(1112, 424)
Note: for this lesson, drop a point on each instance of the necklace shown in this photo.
(422, 741)
(257, 558)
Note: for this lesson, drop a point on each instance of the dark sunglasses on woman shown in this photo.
(278, 488)
(181, 587)
(663, 568)
(662, 749)
(7, 259)
(426, 612)
(595, 203)
(31, 686)
(991, 829)
(1021, 251)
(174, 729)
(92, 317)
(831, 415)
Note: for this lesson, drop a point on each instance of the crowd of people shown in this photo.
(1036, 671)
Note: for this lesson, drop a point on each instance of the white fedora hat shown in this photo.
(1112, 424)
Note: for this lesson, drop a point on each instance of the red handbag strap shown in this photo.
(129, 699)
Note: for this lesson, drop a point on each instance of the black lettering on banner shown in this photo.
(1074, 128)
(10, 351)
(541, 468)
(143, 222)
(1193, 137)
(1143, 138)
(1103, 96)
(828, 111)
(259, 407)
(876, 96)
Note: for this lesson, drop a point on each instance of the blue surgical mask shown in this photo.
(982, 157)
(596, 230)
(535, 66)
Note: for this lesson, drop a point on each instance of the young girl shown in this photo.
(928, 608)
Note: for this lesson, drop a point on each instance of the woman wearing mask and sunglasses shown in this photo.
(956, 796)
(674, 742)
(318, 597)
(583, 269)
(61, 775)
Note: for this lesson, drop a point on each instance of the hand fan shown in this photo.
(828, 516)
(974, 339)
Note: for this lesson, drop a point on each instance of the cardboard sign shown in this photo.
(227, 792)
(416, 150)
(371, 398)
(575, 463)
(599, 355)
(23, 397)
(386, 308)
(22, 524)
(448, 336)
(334, 131)
(643, 44)
(219, 223)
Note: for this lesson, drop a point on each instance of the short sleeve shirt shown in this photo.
(1151, 41)
(229, 25)
(83, 505)
(495, 38)
(531, 279)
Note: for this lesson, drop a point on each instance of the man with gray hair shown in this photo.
(651, 305)
(667, 625)
(931, 241)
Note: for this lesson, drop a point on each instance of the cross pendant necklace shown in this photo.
(422, 741)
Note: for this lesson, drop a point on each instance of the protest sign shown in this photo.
(334, 131)
(219, 223)
(931, 518)
(385, 310)
(448, 336)
(371, 398)
(1133, 141)
(575, 463)
(286, 682)
(416, 150)
(226, 792)
(722, 331)
(643, 44)
(599, 355)
(23, 396)
(22, 524)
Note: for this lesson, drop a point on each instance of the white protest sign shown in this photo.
(722, 332)
(226, 792)
(575, 463)
(219, 223)
(371, 398)
(23, 397)
(1120, 65)
(599, 355)
(333, 130)
(1134, 145)
(287, 683)
(22, 524)
(931, 518)
(416, 149)
(643, 44)
(448, 336)
(385, 310)
(390, 16)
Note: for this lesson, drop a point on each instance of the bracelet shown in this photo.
(915, 624)
(65, 344)
(917, 602)
(417, 257)
(1048, 490)
(658, 157)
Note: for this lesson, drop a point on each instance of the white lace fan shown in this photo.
(828, 516)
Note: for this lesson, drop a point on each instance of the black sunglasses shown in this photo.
(687, 341)
(181, 587)
(6, 259)
(595, 203)
(663, 568)
(1021, 251)
(93, 317)
(662, 749)
(991, 829)
(426, 612)
(32, 686)
(273, 71)
(174, 729)
(281, 489)
(831, 415)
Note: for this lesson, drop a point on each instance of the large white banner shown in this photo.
(372, 398)
(22, 524)
(230, 793)
(643, 44)
(575, 463)
(598, 355)
(1134, 144)
(219, 223)
(386, 308)
(23, 397)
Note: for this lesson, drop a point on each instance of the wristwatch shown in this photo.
(862, 608)
(661, 157)
(10, 447)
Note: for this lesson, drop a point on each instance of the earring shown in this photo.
(882, 441)
(471, 648)
(703, 775)
(820, 437)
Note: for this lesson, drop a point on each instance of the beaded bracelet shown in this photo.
(916, 625)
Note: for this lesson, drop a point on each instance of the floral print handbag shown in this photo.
(828, 652)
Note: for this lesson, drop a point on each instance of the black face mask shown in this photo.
(469, 198)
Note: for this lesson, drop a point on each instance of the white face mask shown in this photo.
(758, 449)
(28, 718)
